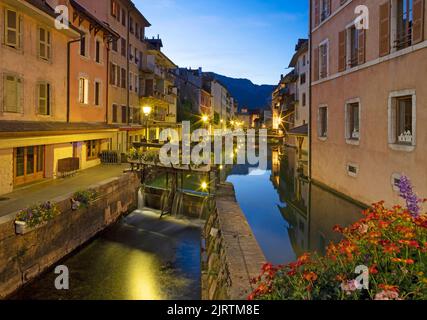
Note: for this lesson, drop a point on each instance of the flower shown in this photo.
(349, 287)
(310, 276)
(387, 295)
(407, 193)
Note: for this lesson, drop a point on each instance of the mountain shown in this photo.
(248, 94)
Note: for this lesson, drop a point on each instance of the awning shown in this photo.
(301, 131)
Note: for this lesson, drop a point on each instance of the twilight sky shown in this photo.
(252, 39)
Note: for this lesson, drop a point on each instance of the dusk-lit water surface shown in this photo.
(140, 258)
(287, 214)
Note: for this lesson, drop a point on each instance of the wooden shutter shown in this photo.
(342, 49)
(418, 27)
(385, 29)
(362, 47)
(112, 73)
(316, 64)
(316, 13)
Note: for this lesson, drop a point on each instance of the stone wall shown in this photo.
(231, 254)
(23, 257)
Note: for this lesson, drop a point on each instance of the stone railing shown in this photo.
(231, 255)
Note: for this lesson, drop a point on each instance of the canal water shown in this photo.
(140, 258)
(289, 215)
(144, 258)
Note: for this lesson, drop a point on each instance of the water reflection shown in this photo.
(140, 258)
(287, 213)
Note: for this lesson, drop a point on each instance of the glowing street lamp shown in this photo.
(147, 111)
(204, 185)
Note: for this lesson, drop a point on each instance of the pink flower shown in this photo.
(387, 295)
(349, 287)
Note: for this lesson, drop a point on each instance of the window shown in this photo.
(323, 122)
(114, 45)
(124, 17)
(83, 91)
(130, 81)
(404, 23)
(114, 8)
(13, 29)
(13, 94)
(44, 44)
(352, 121)
(130, 53)
(136, 83)
(304, 99)
(98, 51)
(115, 113)
(92, 149)
(131, 25)
(325, 9)
(302, 78)
(124, 114)
(352, 170)
(123, 78)
(402, 109)
(43, 99)
(404, 120)
(83, 45)
(97, 93)
(123, 47)
(323, 59)
(304, 60)
(112, 74)
(136, 30)
(353, 36)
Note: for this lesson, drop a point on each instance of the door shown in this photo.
(29, 164)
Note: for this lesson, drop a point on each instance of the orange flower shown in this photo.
(373, 269)
(310, 276)
(387, 287)
(407, 261)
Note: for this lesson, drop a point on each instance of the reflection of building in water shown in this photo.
(311, 211)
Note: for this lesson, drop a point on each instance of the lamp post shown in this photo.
(147, 111)
(206, 120)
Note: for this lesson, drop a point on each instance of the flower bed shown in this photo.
(35, 216)
(83, 198)
(387, 249)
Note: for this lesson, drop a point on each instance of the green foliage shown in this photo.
(84, 197)
(38, 214)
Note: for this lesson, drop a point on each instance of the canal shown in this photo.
(288, 214)
(143, 258)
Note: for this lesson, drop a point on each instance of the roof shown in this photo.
(7, 126)
(300, 48)
(301, 131)
(132, 6)
(94, 20)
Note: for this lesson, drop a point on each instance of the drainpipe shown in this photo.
(310, 116)
(68, 74)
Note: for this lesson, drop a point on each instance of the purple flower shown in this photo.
(408, 194)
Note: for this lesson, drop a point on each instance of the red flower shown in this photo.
(373, 269)
(387, 287)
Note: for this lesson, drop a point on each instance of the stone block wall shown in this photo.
(231, 255)
(23, 257)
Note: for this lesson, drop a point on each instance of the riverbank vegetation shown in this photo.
(381, 257)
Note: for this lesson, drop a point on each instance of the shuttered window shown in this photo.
(342, 49)
(44, 98)
(384, 29)
(362, 46)
(323, 60)
(418, 28)
(44, 44)
(12, 28)
(12, 100)
(316, 13)
(97, 93)
(84, 91)
(316, 64)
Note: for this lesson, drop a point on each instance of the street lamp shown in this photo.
(147, 111)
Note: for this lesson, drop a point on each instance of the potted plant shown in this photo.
(34, 217)
(83, 198)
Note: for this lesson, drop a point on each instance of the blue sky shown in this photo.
(252, 39)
